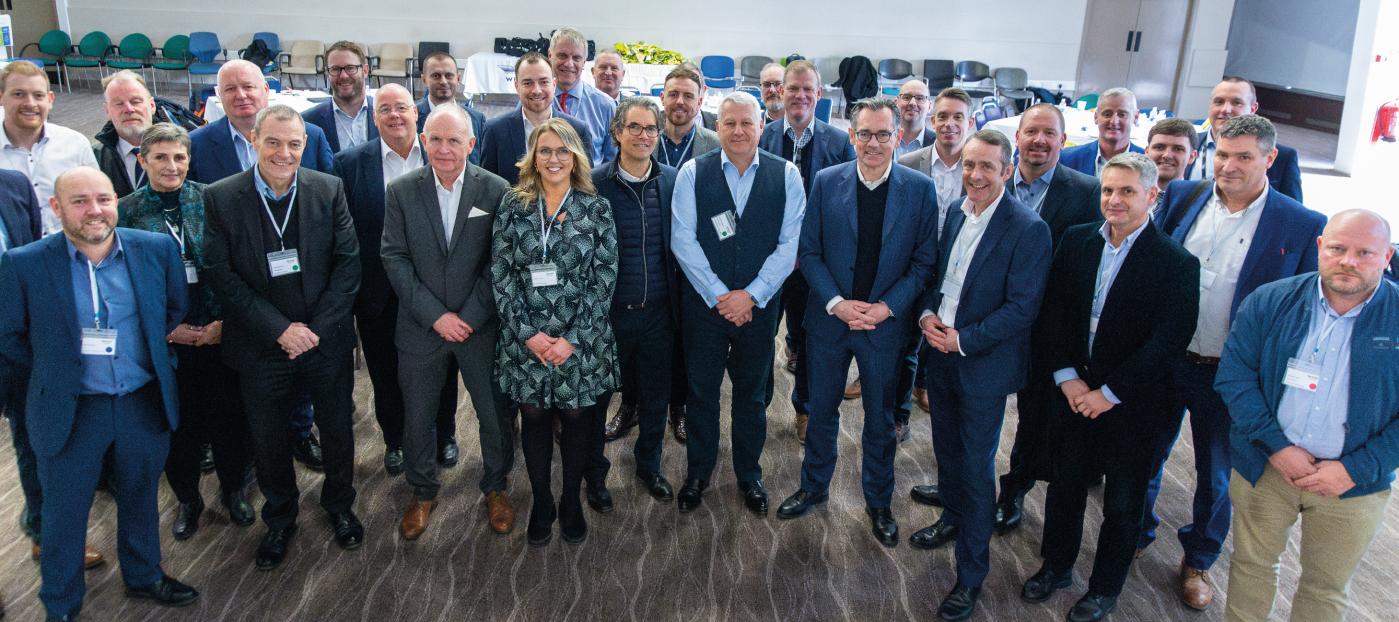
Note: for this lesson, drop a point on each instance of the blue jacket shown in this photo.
(19, 208)
(39, 340)
(907, 253)
(212, 157)
(830, 146)
(322, 115)
(502, 144)
(1084, 158)
(1283, 245)
(1268, 330)
(612, 187)
(361, 168)
(478, 124)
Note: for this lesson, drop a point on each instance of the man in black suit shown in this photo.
(442, 81)
(503, 140)
(366, 169)
(1123, 298)
(283, 260)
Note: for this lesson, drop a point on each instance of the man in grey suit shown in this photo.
(953, 124)
(446, 311)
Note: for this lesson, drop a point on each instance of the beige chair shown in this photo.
(304, 58)
(391, 62)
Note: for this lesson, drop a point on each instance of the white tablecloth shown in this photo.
(487, 73)
(300, 101)
(1078, 126)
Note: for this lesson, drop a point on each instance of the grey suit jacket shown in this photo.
(430, 276)
(920, 160)
(705, 141)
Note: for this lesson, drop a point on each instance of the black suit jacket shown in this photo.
(1072, 199)
(503, 142)
(19, 208)
(361, 168)
(236, 262)
(478, 125)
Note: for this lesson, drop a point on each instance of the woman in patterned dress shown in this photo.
(555, 267)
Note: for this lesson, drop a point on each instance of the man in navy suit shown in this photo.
(442, 79)
(812, 145)
(976, 316)
(1115, 116)
(868, 246)
(1245, 235)
(86, 319)
(503, 141)
(348, 118)
(1230, 98)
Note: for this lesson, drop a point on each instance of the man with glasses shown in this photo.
(347, 119)
(913, 116)
(770, 81)
(568, 51)
(502, 143)
(442, 79)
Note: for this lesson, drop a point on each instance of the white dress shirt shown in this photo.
(133, 167)
(1220, 240)
(395, 166)
(959, 259)
(58, 149)
(948, 180)
(447, 200)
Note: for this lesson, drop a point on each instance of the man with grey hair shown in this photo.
(1115, 117)
(608, 72)
(735, 273)
(770, 85)
(1245, 235)
(1110, 357)
(225, 147)
(568, 51)
(130, 111)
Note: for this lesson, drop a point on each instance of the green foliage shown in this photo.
(645, 53)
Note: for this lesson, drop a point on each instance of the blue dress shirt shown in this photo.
(130, 368)
(1316, 420)
(1032, 193)
(247, 154)
(677, 154)
(685, 243)
(351, 130)
(267, 191)
(595, 109)
(4, 237)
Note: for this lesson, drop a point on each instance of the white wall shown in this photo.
(1300, 44)
(1041, 36)
(1202, 63)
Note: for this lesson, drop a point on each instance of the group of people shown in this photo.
(209, 287)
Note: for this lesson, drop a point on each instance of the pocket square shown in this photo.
(476, 211)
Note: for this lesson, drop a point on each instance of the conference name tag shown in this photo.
(951, 287)
(725, 225)
(1207, 277)
(543, 274)
(100, 341)
(1302, 375)
(191, 274)
(282, 263)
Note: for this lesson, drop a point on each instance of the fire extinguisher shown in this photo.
(1386, 122)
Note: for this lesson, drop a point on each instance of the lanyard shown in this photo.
(1327, 326)
(546, 224)
(179, 234)
(96, 300)
(689, 142)
(285, 219)
(1218, 241)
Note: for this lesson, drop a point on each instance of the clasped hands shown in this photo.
(1089, 403)
(939, 335)
(549, 350)
(1304, 471)
(297, 339)
(736, 306)
(452, 328)
(859, 315)
(191, 335)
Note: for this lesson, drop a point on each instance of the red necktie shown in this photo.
(563, 102)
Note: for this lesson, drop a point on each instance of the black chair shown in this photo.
(425, 48)
(973, 72)
(750, 69)
(893, 72)
(939, 74)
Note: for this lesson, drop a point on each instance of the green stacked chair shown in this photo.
(91, 52)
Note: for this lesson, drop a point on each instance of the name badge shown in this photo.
(1302, 375)
(1206, 277)
(951, 287)
(282, 263)
(100, 341)
(191, 274)
(543, 274)
(725, 225)
(1093, 325)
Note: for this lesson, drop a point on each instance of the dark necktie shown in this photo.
(140, 176)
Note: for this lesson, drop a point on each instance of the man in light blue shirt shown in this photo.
(568, 50)
(737, 214)
(347, 119)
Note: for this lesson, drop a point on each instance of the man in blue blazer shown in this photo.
(1230, 98)
(225, 147)
(868, 245)
(976, 316)
(346, 72)
(1246, 235)
(1115, 116)
(812, 145)
(1311, 377)
(442, 79)
(503, 141)
(20, 224)
(86, 318)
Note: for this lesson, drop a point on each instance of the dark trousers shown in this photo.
(1203, 539)
(1065, 503)
(828, 367)
(1032, 416)
(714, 345)
(901, 399)
(966, 432)
(795, 291)
(270, 386)
(376, 336)
(134, 427)
(679, 383)
(644, 338)
(31, 518)
(211, 411)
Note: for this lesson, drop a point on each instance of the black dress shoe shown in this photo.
(755, 497)
(620, 423)
(657, 486)
(800, 501)
(308, 452)
(883, 525)
(927, 495)
(1092, 607)
(187, 519)
(600, 499)
(393, 460)
(1040, 587)
(541, 523)
(239, 510)
(691, 495)
(573, 527)
(273, 548)
(349, 533)
(934, 535)
(960, 603)
(677, 424)
(449, 453)
(166, 592)
(1009, 514)
(206, 458)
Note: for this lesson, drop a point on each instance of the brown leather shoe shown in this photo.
(1196, 591)
(415, 519)
(852, 390)
(920, 397)
(499, 513)
(91, 557)
(800, 425)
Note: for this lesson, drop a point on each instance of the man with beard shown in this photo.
(29, 143)
(770, 83)
(1171, 145)
(442, 80)
(347, 119)
(1115, 116)
(130, 111)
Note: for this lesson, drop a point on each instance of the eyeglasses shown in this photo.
(348, 70)
(905, 98)
(546, 153)
(864, 136)
(771, 84)
(637, 129)
(398, 108)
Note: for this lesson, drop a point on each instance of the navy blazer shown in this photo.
(478, 125)
(19, 208)
(39, 337)
(1285, 174)
(212, 157)
(1283, 245)
(1084, 158)
(322, 115)
(907, 252)
(1000, 299)
(503, 142)
(361, 168)
(1071, 199)
(830, 146)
